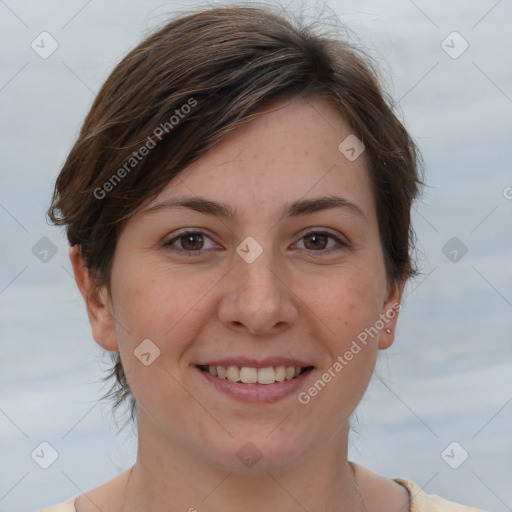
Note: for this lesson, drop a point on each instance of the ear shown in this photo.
(97, 300)
(389, 315)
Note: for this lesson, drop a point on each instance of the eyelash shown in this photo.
(170, 244)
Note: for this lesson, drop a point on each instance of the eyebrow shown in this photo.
(293, 209)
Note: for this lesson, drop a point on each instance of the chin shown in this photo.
(261, 452)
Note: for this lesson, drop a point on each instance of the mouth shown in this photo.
(252, 375)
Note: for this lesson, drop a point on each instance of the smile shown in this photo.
(251, 375)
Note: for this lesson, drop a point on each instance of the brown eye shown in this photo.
(191, 241)
(317, 241)
(322, 242)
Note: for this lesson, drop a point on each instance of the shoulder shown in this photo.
(422, 502)
(381, 493)
(65, 506)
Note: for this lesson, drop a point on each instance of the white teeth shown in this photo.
(266, 376)
(233, 373)
(280, 373)
(249, 375)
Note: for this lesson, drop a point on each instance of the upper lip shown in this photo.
(255, 363)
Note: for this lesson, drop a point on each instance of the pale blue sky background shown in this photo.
(449, 375)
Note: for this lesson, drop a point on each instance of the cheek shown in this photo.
(347, 307)
(153, 299)
(170, 308)
(165, 308)
(346, 302)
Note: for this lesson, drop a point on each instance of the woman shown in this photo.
(238, 210)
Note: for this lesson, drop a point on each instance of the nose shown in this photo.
(257, 298)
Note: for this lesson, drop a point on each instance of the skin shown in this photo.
(297, 299)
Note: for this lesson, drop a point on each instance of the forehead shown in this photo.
(290, 150)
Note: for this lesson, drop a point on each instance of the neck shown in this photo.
(169, 476)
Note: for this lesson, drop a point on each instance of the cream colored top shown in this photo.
(420, 502)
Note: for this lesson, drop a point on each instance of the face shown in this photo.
(256, 270)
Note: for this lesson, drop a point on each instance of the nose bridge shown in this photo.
(256, 275)
(258, 297)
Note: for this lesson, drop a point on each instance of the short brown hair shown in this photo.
(224, 64)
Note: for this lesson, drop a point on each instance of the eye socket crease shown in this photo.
(293, 209)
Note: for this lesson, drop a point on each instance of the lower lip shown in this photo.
(256, 393)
